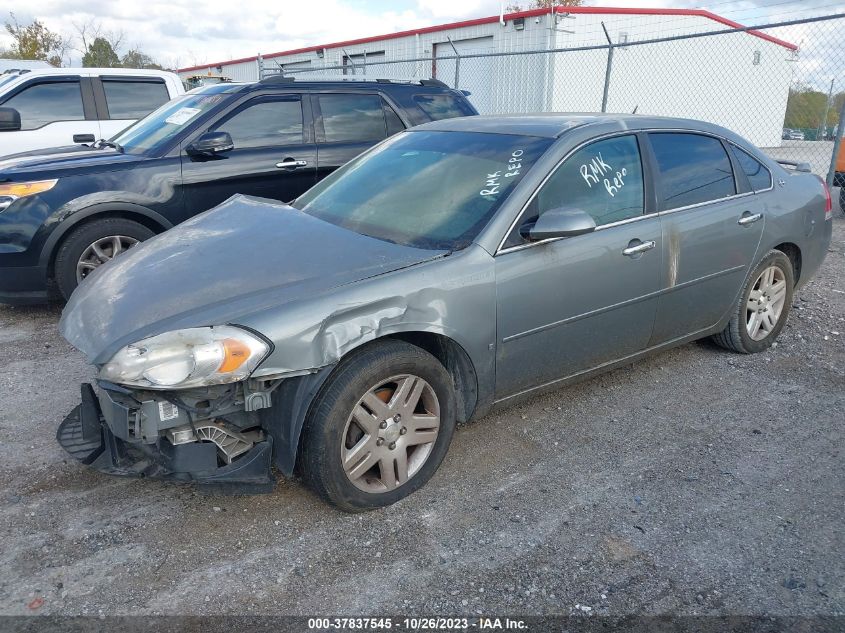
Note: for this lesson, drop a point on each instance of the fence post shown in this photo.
(840, 130)
(823, 125)
(457, 63)
(260, 62)
(351, 61)
(608, 69)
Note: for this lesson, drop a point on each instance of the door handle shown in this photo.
(290, 163)
(642, 247)
(747, 220)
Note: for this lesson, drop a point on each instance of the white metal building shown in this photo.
(740, 80)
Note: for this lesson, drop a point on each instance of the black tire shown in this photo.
(81, 238)
(735, 336)
(323, 435)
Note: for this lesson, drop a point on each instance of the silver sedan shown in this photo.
(455, 267)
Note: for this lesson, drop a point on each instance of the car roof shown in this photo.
(553, 125)
(42, 72)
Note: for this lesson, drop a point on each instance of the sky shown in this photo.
(180, 33)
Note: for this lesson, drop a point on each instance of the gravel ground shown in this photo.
(698, 481)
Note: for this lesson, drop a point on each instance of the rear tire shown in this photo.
(379, 428)
(121, 233)
(763, 307)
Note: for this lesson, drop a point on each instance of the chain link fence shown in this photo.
(780, 85)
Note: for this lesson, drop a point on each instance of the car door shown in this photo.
(711, 232)
(567, 305)
(346, 124)
(273, 156)
(55, 111)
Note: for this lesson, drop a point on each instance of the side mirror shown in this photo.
(211, 144)
(10, 120)
(560, 222)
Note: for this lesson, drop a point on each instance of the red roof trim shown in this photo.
(508, 16)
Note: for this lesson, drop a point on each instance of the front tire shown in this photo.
(763, 306)
(91, 245)
(379, 428)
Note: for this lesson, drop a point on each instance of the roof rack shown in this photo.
(281, 79)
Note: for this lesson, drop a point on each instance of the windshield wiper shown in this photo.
(104, 143)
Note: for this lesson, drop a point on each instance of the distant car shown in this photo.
(796, 135)
(458, 265)
(64, 213)
(786, 134)
(52, 107)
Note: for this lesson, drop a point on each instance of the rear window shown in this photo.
(351, 118)
(442, 106)
(693, 168)
(133, 99)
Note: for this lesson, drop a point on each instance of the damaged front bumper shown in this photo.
(144, 435)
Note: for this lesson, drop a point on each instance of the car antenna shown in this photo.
(635, 108)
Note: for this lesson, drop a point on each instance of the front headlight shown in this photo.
(11, 191)
(187, 358)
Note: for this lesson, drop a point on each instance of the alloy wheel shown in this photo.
(765, 303)
(100, 252)
(390, 433)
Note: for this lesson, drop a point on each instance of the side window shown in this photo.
(693, 169)
(265, 123)
(45, 103)
(352, 118)
(442, 106)
(758, 175)
(394, 123)
(133, 99)
(605, 179)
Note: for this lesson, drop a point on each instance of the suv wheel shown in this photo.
(93, 244)
(380, 428)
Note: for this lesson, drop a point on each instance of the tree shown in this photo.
(805, 107)
(139, 59)
(35, 41)
(544, 4)
(100, 54)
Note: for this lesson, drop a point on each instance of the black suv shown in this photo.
(65, 212)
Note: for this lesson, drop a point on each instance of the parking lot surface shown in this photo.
(698, 481)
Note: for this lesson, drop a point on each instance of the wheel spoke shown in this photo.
(754, 325)
(401, 463)
(778, 292)
(117, 246)
(376, 405)
(99, 252)
(366, 420)
(388, 474)
(360, 458)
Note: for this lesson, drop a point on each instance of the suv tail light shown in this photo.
(828, 201)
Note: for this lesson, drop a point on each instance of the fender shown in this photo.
(100, 208)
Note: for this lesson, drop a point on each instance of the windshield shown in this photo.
(161, 125)
(434, 190)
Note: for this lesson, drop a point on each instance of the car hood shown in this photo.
(61, 158)
(245, 255)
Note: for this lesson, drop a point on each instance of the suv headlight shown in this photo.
(11, 191)
(187, 358)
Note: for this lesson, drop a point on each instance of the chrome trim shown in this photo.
(749, 219)
(501, 250)
(639, 248)
(7, 201)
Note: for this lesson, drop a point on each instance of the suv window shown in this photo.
(133, 99)
(693, 168)
(44, 103)
(352, 118)
(758, 175)
(262, 123)
(442, 106)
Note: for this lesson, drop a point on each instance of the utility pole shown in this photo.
(823, 125)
